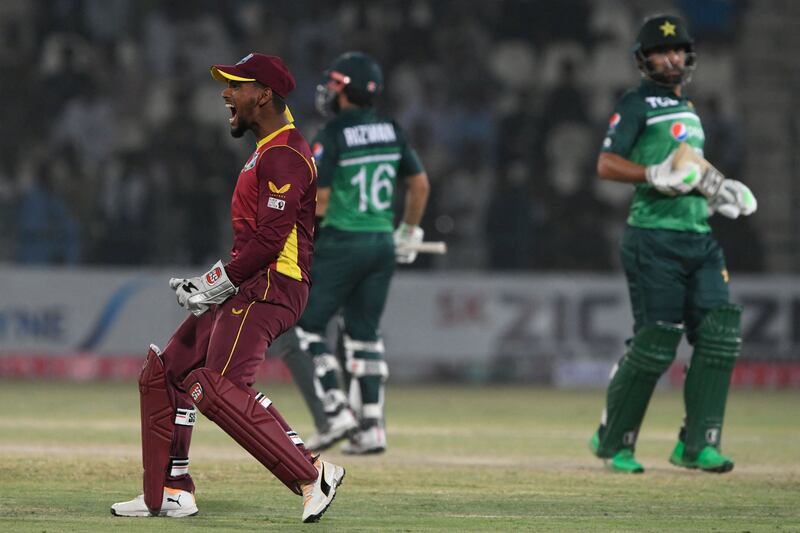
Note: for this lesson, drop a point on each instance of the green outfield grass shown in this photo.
(460, 458)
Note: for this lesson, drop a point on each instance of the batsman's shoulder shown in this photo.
(631, 106)
(632, 98)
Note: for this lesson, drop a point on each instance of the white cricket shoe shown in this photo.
(318, 495)
(366, 441)
(341, 425)
(176, 504)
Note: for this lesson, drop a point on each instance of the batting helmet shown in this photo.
(663, 32)
(356, 75)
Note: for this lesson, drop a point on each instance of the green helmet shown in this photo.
(664, 32)
(356, 75)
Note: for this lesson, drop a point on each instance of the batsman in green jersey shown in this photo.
(675, 269)
(361, 156)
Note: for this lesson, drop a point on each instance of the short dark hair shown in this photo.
(278, 103)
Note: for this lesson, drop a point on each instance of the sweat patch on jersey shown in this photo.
(276, 203)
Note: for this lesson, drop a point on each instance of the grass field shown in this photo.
(460, 458)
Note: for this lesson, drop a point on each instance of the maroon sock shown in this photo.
(178, 476)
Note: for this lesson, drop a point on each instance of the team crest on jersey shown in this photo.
(279, 190)
(317, 149)
(614, 121)
(679, 131)
(276, 203)
(251, 163)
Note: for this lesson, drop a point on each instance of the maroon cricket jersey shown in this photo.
(272, 210)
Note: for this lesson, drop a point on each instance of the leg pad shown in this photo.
(157, 428)
(651, 352)
(244, 418)
(705, 390)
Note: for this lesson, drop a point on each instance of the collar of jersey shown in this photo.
(356, 110)
(652, 87)
(274, 134)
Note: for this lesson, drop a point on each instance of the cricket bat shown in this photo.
(710, 178)
(426, 247)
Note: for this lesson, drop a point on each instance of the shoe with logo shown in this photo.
(708, 460)
(176, 504)
(622, 461)
(318, 495)
(341, 426)
(366, 441)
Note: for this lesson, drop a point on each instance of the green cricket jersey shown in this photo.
(648, 123)
(360, 155)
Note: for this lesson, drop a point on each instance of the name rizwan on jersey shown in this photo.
(363, 134)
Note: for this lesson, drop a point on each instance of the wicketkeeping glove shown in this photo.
(405, 237)
(198, 293)
(672, 182)
(734, 198)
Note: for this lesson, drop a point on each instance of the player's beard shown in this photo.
(240, 129)
(670, 78)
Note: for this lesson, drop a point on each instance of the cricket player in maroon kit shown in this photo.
(237, 310)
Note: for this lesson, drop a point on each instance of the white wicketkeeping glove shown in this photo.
(734, 198)
(672, 182)
(405, 237)
(198, 293)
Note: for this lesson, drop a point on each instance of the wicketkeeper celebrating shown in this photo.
(237, 310)
(675, 268)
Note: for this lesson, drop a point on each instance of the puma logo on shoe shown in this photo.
(326, 489)
(175, 500)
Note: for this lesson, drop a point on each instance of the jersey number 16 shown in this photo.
(369, 190)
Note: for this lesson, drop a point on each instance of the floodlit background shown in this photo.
(116, 169)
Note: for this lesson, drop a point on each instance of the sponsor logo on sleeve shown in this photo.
(279, 190)
(614, 121)
(276, 203)
(317, 149)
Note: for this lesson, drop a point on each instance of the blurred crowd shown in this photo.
(115, 148)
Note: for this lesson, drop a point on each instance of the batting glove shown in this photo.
(734, 198)
(405, 237)
(672, 182)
